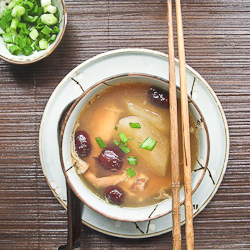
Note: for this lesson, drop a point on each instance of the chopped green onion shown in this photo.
(49, 19)
(5, 12)
(116, 128)
(25, 30)
(56, 30)
(29, 41)
(116, 142)
(100, 142)
(14, 49)
(18, 11)
(5, 21)
(148, 144)
(13, 3)
(123, 137)
(7, 38)
(14, 23)
(27, 50)
(52, 38)
(33, 34)
(43, 44)
(34, 44)
(132, 160)
(40, 11)
(46, 30)
(134, 125)
(42, 36)
(50, 8)
(22, 42)
(40, 26)
(21, 25)
(34, 11)
(11, 31)
(37, 47)
(45, 3)
(125, 149)
(131, 173)
(28, 5)
(30, 19)
(21, 33)
(16, 40)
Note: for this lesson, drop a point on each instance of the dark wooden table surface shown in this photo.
(217, 42)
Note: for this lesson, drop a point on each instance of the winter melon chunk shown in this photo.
(157, 159)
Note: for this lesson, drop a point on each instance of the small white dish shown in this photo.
(37, 55)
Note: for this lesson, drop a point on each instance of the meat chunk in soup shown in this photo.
(104, 181)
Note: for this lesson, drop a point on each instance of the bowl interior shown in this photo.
(37, 55)
(96, 203)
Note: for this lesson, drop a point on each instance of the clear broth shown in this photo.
(99, 118)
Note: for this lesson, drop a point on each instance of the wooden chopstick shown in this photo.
(176, 232)
(189, 231)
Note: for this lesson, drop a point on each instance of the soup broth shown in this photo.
(130, 171)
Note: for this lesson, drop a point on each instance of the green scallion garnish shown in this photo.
(49, 19)
(33, 34)
(22, 42)
(43, 44)
(148, 144)
(131, 172)
(56, 30)
(46, 30)
(5, 20)
(134, 125)
(45, 3)
(123, 137)
(18, 11)
(14, 49)
(14, 23)
(117, 143)
(28, 5)
(7, 38)
(100, 142)
(52, 38)
(116, 128)
(125, 149)
(50, 8)
(26, 21)
(132, 160)
(30, 19)
(27, 50)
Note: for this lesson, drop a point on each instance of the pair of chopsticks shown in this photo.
(74, 221)
(176, 233)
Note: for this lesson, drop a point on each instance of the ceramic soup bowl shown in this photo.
(131, 214)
